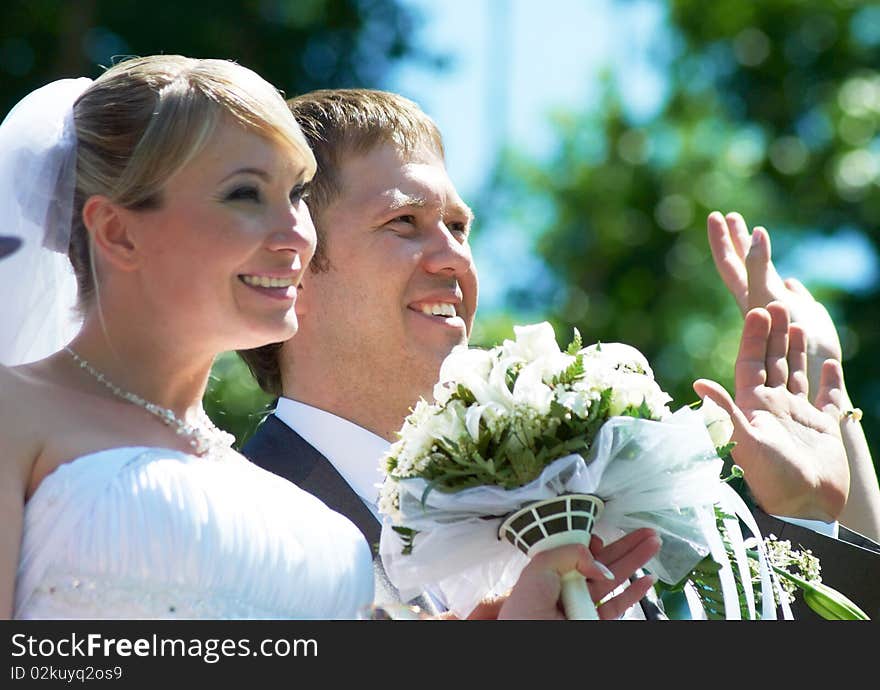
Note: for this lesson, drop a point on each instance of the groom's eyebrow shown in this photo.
(416, 201)
(400, 201)
(464, 210)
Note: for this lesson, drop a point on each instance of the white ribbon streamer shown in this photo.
(731, 525)
(731, 503)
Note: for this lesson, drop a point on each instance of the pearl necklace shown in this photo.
(202, 438)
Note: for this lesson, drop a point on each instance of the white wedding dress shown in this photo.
(155, 533)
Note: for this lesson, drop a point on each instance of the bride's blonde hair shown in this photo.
(145, 118)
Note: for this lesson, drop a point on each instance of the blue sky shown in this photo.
(511, 62)
(514, 61)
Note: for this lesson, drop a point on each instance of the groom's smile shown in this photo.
(443, 312)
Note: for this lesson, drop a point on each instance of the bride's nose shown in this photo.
(293, 230)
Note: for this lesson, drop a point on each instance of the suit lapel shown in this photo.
(279, 449)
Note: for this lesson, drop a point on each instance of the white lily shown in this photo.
(533, 341)
(530, 390)
(619, 355)
(469, 367)
(717, 421)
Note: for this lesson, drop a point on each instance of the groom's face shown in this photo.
(401, 290)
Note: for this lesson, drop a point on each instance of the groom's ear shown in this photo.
(110, 231)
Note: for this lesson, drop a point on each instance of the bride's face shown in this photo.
(224, 253)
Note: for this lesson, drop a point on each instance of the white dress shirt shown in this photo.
(352, 450)
(829, 529)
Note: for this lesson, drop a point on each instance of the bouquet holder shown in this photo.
(542, 525)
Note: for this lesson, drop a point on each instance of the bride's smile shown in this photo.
(224, 251)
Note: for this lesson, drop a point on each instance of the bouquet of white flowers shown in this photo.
(526, 447)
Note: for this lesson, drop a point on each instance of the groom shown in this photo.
(391, 290)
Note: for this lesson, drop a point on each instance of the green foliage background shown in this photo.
(298, 45)
(772, 109)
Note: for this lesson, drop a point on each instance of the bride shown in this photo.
(176, 187)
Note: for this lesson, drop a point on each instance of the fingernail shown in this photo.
(602, 569)
(754, 239)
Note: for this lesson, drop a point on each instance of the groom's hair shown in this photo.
(339, 123)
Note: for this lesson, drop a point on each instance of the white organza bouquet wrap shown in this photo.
(525, 398)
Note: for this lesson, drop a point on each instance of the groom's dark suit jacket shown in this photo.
(850, 563)
(279, 449)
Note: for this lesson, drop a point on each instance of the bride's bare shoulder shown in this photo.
(20, 386)
(17, 391)
(20, 415)
(41, 415)
(33, 400)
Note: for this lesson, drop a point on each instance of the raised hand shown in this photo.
(791, 451)
(747, 270)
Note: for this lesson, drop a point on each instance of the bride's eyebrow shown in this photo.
(259, 172)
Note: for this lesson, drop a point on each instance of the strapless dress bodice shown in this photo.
(156, 533)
